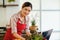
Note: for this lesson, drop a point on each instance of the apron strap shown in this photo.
(21, 21)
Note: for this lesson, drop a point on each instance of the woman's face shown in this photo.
(25, 11)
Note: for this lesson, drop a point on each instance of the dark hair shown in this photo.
(27, 4)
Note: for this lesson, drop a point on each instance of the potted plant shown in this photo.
(33, 26)
(11, 0)
(35, 35)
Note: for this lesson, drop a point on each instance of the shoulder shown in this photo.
(27, 18)
(14, 16)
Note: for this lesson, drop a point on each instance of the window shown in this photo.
(50, 4)
(50, 17)
(50, 20)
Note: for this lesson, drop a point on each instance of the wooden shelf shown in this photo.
(9, 5)
(5, 5)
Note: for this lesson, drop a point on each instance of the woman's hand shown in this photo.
(22, 38)
(18, 37)
(28, 33)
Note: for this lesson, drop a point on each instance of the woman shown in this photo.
(18, 23)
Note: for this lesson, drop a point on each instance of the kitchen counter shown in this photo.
(2, 32)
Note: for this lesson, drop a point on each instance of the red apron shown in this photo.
(20, 27)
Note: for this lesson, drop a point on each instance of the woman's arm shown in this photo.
(27, 26)
(14, 29)
(18, 36)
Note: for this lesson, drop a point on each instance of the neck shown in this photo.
(21, 14)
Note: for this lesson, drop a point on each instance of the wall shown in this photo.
(5, 13)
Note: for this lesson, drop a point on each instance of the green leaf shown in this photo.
(33, 22)
(11, 0)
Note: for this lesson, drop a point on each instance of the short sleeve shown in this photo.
(13, 24)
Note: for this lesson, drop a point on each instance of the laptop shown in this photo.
(47, 34)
